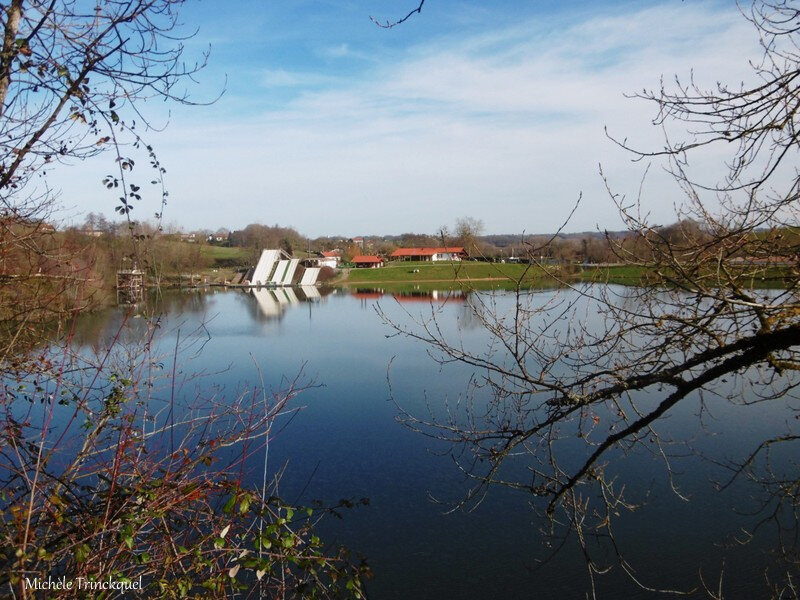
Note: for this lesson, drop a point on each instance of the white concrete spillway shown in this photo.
(264, 267)
(276, 268)
(310, 276)
(280, 270)
(287, 278)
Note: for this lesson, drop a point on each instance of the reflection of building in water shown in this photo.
(310, 292)
(267, 302)
(274, 302)
(433, 295)
(365, 295)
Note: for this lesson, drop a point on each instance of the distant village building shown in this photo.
(188, 237)
(431, 254)
(329, 259)
(359, 241)
(367, 262)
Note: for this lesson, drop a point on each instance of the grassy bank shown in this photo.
(425, 272)
(223, 255)
(490, 274)
(426, 275)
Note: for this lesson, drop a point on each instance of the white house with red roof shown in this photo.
(431, 254)
(329, 258)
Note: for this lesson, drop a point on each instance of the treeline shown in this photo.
(33, 254)
(46, 274)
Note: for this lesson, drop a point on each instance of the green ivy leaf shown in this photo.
(82, 553)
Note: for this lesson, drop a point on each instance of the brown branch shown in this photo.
(391, 24)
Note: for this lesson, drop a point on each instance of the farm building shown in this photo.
(432, 254)
(367, 262)
(329, 259)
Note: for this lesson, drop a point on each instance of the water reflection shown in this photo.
(347, 443)
(428, 296)
(272, 303)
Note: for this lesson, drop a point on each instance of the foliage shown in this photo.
(43, 275)
(99, 483)
(258, 237)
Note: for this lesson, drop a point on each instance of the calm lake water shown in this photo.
(347, 443)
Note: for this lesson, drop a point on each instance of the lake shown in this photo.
(346, 442)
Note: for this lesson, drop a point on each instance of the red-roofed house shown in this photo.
(432, 254)
(329, 259)
(367, 262)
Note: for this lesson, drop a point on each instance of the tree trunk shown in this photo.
(13, 15)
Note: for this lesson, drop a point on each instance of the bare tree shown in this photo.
(575, 378)
(467, 231)
(99, 481)
(72, 79)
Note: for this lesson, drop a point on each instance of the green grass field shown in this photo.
(223, 253)
(485, 275)
(411, 272)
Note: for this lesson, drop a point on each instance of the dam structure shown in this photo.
(276, 268)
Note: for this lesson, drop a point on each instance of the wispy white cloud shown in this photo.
(343, 50)
(273, 78)
(339, 51)
(506, 125)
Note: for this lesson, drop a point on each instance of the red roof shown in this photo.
(367, 259)
(427, 251)
(330, 254)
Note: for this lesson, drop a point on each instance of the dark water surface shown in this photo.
(347, 443)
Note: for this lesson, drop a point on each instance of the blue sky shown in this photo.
(492, 110)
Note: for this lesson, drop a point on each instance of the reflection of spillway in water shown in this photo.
(311, 293)
(273, 302)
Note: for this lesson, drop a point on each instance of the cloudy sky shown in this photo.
(496, 111)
